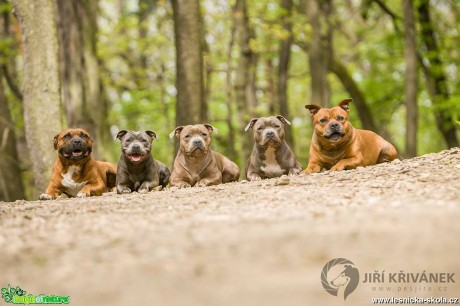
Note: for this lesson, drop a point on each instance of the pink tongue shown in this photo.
(136, 158)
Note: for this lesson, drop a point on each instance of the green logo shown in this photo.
(18, 296)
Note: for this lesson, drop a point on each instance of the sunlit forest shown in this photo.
(107, 65)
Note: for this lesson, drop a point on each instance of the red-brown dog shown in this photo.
(336, 145)
(75, 172)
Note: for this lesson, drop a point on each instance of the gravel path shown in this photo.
(246, 243)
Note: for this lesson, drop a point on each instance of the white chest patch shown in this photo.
(272, 168)
(72, 187)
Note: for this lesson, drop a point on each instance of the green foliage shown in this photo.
(137, 57)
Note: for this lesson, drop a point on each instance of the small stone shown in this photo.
(283, 180)
(424, 178)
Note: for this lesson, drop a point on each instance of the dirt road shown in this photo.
(257, 243)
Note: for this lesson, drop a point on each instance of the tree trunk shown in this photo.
(318, 52)
(245, 77)
(145, 8)
(283, 68)
(359, 100)
(41, 87)
(270, 87)
(85, 102)
(11, 187)
(364, 113)
(436, 78)
(190, 107)
(229, 96)
(411, 79)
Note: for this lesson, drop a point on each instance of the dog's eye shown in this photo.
(83, 135)
(204, 134)
(323, 120)
(340, 118)
(277, 126)
(260, 129)
(187, 136)
(66, 136)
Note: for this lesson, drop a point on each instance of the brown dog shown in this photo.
(336, 145)
(75, 172)
(196, 164)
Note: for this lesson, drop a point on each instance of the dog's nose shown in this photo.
(135, 147)
(270, 134)
(76, 141)
(334, 126)
(197, 142)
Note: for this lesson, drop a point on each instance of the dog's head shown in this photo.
(268, 131)
(331, 124)
(194, 139)
(136, 145)
(73, 144)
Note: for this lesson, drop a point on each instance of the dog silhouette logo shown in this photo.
(340, 277)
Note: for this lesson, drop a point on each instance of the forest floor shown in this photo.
(245, 243)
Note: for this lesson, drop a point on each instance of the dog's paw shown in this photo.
(82, 195)
(143, 190)
(254, 178)
(183, 185)
(45, 197)
(202, 184)
(294, 171)
(124, 190)
(338, 167)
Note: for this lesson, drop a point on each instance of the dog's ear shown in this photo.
(250, 124)
(121, 133)
(176, 131)
(210, 128)
(284, 120)
(152, 134)
(344, 104)
(313, 108)
(55, 141)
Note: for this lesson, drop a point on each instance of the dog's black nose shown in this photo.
(270, 134)
(334, 126)
(136, 147)
(76, 141)
(197, 142)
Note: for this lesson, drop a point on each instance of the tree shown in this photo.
(435, 77)
(11, 187)
(41, 84)
(283, 68)
(190, 106)
(319, 52)
(245, 75)
(85, 103)
(411, 79)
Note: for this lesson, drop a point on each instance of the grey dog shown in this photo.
(137, 170)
